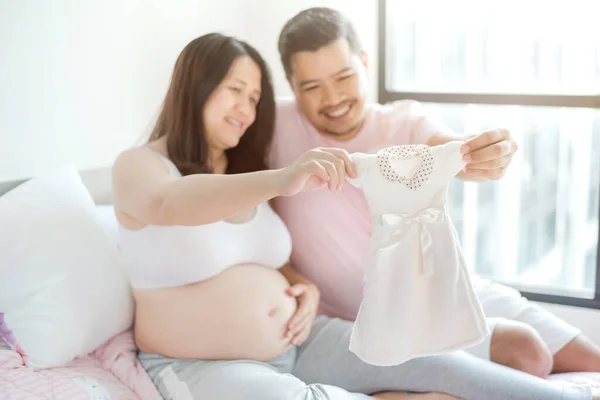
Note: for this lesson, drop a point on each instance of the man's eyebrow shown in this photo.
(343, 71)
(340, 72)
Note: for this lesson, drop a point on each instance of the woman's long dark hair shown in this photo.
(199, 69)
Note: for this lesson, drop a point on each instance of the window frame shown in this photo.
(545, 100)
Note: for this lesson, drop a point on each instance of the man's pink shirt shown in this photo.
(331, 231)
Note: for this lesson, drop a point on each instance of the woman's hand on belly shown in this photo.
(241, 313)
(300, 324)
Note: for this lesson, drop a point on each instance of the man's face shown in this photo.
(330, 87)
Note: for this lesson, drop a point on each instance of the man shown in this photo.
(326, 68)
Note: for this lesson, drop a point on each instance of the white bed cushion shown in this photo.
(106, 215)
(63, 291)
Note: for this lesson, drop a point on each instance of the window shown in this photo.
(537, 228)
(594, 200)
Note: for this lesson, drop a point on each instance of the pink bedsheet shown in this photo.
(113, 372)
(110, 372)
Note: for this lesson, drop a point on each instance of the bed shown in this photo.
(110, 370)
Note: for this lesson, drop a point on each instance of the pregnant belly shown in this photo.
(240, 313)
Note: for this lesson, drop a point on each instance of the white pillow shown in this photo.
(63, 290)
(106, 215)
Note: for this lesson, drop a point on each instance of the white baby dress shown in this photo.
(417, 296)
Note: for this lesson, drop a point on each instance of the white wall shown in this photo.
(81, 80)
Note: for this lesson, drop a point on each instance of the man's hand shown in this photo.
(487, 155)
(300, 324)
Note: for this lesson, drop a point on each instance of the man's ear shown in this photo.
(365, 59)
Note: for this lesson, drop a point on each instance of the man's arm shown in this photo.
(487, 154)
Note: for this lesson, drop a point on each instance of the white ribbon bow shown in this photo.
(402, 222)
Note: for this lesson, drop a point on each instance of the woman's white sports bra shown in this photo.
(164, 256)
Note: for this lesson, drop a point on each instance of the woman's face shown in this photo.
(231, 108)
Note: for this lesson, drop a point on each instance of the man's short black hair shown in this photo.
(313, 29)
